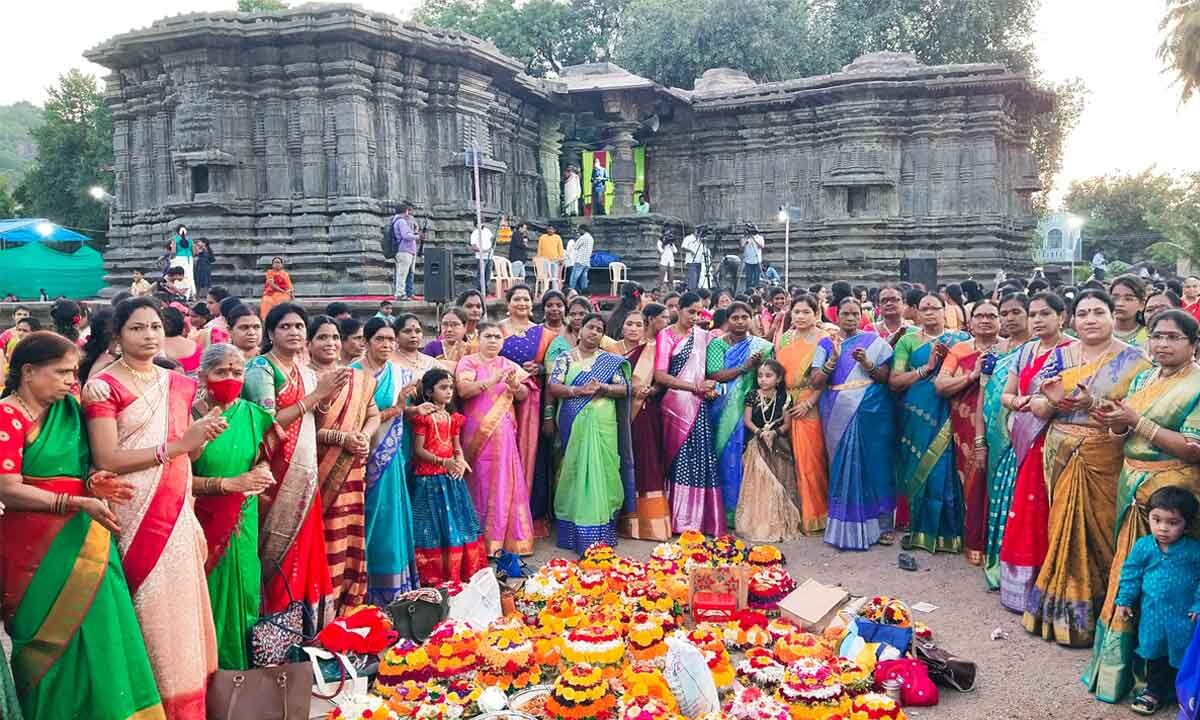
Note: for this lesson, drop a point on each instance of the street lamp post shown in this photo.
(785, 217)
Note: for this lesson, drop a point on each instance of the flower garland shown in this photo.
(452, 648)
(580, 694)
(507, 651)
(597, 645)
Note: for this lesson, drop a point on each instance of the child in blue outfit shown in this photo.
(1161, 578)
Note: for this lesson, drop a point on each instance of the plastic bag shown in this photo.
(1187, 682)
(479, 602)
(689, 678)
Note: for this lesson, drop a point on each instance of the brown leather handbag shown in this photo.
(280, 692)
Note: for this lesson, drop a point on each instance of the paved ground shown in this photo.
(1020, 678)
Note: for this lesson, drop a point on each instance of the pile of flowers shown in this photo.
(887, 611)
(874, 706)
(768, 586)
(624, 571)
(535, 592)
(708, 639)
(404, 662)
(506, 652)
(590, 584)
(748, 630)
(754, 704)
(764, 556)
(799, 645)
(647, 636)
(580, 693)
(598, 645)
(644, 680)
(645, 708)
(856, 679)
(362, 707)
(760, 669)
(598, 556)
(812, 690)
(453, 648)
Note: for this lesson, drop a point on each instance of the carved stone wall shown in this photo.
(885, 160)
(295, 133)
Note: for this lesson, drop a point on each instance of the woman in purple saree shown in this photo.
(693, 485)
(860, 437)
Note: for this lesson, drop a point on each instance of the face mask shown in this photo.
(225, 391)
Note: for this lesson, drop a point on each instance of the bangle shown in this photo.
(1122, 435)
(980, 442)
(160, 455)
(60, 503)
(303, 407)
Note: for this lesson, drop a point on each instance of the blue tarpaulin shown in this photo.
(37, 255)
(24, 230)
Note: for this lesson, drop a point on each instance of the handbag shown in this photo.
(415, 614)
(326, 695)
(873, 632)
(272, 635)
(510, 565)
(945, 668)
(283, 692)
(916, 689)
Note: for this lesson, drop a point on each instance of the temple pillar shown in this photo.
(621, 169)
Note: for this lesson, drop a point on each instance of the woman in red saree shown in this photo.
(140, 427)
(65, 601)
(959, 381)
(345, 425)
(1026, 536)
(291, 532)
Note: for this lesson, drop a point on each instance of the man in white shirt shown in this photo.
(752, 247)
(666, 261)
(581, 259)
(481, 243)
(693, 256)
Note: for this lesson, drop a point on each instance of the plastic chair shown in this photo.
(619, 274)
(541, 267)
(502, 275)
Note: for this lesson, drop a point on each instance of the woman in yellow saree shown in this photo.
(1082, 461)
(76, 651)
(795, 351)
(1160, 419)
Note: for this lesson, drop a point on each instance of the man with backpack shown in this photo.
(405, 235)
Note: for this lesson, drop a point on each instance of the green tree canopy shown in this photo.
(1128, 215)
(74, 152)
(16, 141)
(260, 5)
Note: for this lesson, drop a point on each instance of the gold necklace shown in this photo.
(144, 375)
(285, 367)
(25, 408)
(437, 434)
(1181, 372)
(765, 404)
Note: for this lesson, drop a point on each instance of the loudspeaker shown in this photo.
(920, 270)
(439, 275)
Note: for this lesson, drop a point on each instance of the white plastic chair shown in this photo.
(619, 274)
(541, 267)
(502, 275)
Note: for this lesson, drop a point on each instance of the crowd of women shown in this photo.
(187, 476)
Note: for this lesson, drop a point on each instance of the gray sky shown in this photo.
(1132, 119)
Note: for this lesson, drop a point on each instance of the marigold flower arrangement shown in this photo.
(764, 556)
(647, 636)
(665, 568)
(875, 706)
(754, 704)
(644, 708)
(854, 678)
(452, 647)
(598, 645)
(591, 584)
(403, 662)
(562, 613)
(645, 680)
(624, 571)
(707, 638)
(781, 628)
(748, 630)
(362, 707)
(696, 557)
(727, 550)
(506, 652)
(768, 586)
(799, 645)
(812, 690)
(402, 697)
(690, 539)
(561, 569)
(760, 669)
(887, 611)
(547, 647)
(648, 597)
(598, 556)
(462, 691)
(666, 551)
(535, 592)
(581, 693)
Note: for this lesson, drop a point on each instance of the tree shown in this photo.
(1126, 214)
(8, 205)
(257, 6)
(74, 152)
(545, 35)
(16, 143)
(1180, 49)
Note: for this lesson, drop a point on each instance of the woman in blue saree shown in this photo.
(732, 362)
(1001, 458)
(925, 467)
(391, 552)
(857, 418)
(595, 480)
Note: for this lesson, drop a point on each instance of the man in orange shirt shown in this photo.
(550, 246)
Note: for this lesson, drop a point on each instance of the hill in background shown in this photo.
(17, 149)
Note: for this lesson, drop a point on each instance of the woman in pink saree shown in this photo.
(693, 485)
(489, 385)
(139, 423)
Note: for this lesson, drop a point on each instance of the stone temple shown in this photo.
(297, 133)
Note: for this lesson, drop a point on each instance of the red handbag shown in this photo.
(916, 689)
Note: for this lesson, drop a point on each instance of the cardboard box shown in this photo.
(813, 605)
(715, 594)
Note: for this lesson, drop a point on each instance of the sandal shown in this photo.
(1146, 704)
(906, 562)
(887, 538)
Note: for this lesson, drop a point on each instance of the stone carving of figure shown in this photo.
(599, 186)
(572, 190)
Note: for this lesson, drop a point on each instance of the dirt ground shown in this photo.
(1020, 678)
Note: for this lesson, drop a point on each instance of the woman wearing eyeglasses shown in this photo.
(1160, 421)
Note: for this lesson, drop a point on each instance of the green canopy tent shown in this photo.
(37, 255)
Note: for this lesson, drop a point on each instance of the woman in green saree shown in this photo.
(228, 477)
(82, 657)
(596, 477)
(925, 472)
(1160, 418)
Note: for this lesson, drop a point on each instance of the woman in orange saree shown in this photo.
(959, 380)
(795, 351)
(292, 533)
(277, 288)
(139, 424)
(345, 425)
(65, 601)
